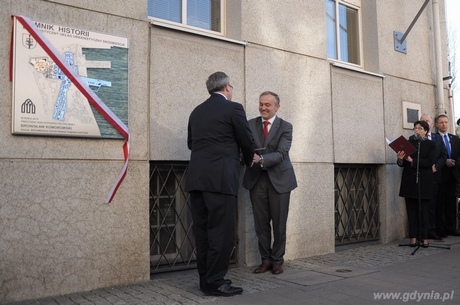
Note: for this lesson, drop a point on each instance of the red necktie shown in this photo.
(266, 129)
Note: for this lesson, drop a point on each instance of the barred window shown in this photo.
(356, 203)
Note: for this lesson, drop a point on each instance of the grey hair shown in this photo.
(276, 96)
(217, 82)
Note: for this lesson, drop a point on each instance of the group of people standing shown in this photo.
(429, 181)
(220, 139)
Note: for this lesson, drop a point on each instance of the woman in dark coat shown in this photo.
(411, 187)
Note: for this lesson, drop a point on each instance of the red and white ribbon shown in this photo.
(93, 99)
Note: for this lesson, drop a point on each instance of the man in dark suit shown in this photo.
(217, 132)
(440, 160)
(446, 209)
(270, 181)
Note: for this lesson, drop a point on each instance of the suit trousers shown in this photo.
(446, 208)
(270, 206)
(432, 210)
(214, 225)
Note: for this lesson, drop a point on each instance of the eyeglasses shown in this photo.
(418, 128)
(230, 86)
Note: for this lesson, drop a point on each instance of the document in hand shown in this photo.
(402, 144)
(260, 151)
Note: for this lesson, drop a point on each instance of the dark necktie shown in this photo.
(266, 129)
(446, 140)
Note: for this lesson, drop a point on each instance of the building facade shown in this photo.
(345, 84)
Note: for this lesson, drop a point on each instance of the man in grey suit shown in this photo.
(270, 181)
(217, 132)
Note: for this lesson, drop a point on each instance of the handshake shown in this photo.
(258, 159)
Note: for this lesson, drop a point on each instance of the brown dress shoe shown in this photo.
(277, 269)
(264, 267)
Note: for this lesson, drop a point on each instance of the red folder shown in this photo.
(402, 144)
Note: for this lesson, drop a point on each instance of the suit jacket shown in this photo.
(451, 173)
(276, 156)
(409, 187)
(440, 156)
(217, 132)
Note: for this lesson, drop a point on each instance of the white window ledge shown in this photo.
(180, 27)
(354, 68)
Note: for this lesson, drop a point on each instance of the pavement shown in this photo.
(357, 274)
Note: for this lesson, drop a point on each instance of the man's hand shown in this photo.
(255, 159)
(450, 162)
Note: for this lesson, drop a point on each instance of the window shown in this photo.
(203, 14)
(172, 240)
(343, 31)
(356, 203)
(171, 231)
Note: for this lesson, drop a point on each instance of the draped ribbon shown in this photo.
(93, 99)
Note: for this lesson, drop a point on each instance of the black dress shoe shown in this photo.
(435, 237)
(441, 234)
(226, 281)
(224, 291)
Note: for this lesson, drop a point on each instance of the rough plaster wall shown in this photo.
(57, 236)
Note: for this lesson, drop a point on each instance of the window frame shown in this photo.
(190, 28)
(355, 5)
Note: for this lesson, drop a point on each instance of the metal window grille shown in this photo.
(356, 203)
(172, 244)
(172, 240)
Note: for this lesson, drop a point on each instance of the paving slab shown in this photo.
(359, 274)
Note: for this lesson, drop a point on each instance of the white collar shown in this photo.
(222, 95)
(270, 120)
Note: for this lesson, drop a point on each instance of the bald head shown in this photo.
(427, 118)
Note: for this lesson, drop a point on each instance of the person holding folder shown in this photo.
(417, 182)
(270, 181)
